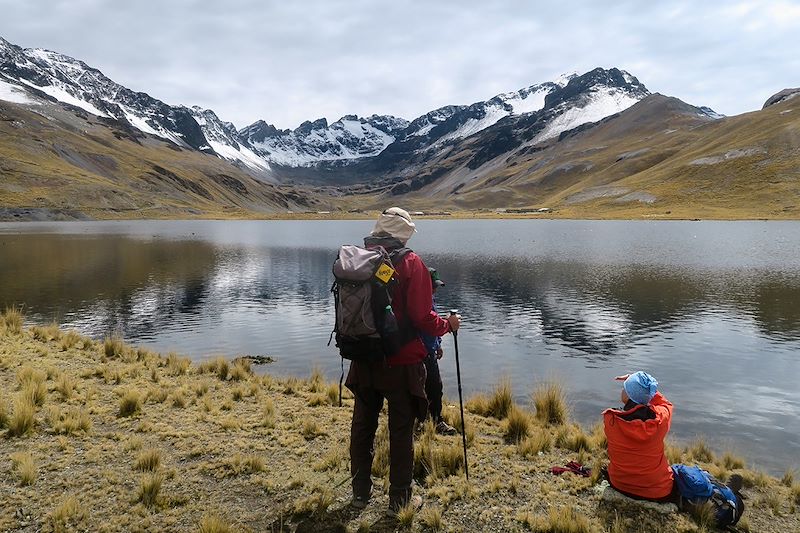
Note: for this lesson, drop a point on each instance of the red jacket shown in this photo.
(413, 301)
(637, 464)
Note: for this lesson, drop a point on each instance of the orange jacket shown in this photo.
(637, 464)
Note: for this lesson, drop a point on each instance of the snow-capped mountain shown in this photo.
(373, 145)
(347, 139)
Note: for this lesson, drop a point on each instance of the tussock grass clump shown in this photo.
(431, 517)
(316, 503)
(200, 388)
(731, 461)
(213, 523)
(436, 461)
(23, 418)
(240, 464)
(113, 347)
(134, 443)
(406, 514)
(330, 461)
(311, 429)
(218, 366)
(517, 426)
(700, 451)
(69, 421)
(572, 438)
(497, 404)
(795, 492)
(230, 423)
(35, 393)
(69, 340)
(787, 479)
(65, 386)
(4, 414)
(177, 365)
(46, 333)
(24, 468)
(148, 460)
(178, 398)
(268, 413)
(316, 380)
(550, 403)
(538, 442)
(755, 478)
(12, 320)
(705, 516)
(291, 385)
(157, 394)
(558, 520)
(149, 489)
(130, 404)
(68, 516)
(673, 452)
(241, 370)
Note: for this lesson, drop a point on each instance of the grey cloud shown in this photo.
(287, 62)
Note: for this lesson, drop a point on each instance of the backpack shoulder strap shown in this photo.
(399, 253)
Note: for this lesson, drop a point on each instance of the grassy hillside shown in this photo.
(56, 164)
(658, 159)
(102, 436)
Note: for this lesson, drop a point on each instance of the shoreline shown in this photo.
(373, 214)
(120, 438)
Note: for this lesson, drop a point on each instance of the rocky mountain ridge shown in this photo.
(373, 145)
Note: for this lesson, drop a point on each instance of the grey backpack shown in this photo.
(366, 327)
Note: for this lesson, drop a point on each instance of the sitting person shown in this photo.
(638, 467)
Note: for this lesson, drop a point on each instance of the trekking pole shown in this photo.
(461, 400)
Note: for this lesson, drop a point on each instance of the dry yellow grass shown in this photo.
(148, 460)
(213, 523)
(24, 468)
(130, 404)
(550, 403)
(23, 417)
(254, 462)
(517, 426)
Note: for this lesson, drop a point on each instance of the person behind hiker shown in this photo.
(400, 379)
(638, 466)
(433, 381)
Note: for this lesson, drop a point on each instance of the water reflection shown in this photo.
(705, 317)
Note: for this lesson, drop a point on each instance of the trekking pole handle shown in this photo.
(454, 312)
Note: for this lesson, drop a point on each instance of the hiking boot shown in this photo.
(359, 502)
(415, 502)
(735, 482)
(443, 428)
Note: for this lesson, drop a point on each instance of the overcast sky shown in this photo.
(290, 61)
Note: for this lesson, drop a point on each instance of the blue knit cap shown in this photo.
(640, 387)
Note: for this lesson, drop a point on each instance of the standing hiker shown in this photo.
(433, 381)
(399, 378)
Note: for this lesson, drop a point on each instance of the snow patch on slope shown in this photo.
(246, 156)
(14, 94)
(63, 96)
(606, 102)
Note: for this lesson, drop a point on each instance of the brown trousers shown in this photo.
(403, 387)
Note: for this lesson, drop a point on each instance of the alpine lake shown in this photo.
(711, 309)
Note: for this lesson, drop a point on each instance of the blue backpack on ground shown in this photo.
(697, 487)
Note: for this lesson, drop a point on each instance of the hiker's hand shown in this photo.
(439, 353)
(455, 322)
(622, 378)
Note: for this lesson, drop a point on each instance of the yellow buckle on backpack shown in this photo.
(384, 273)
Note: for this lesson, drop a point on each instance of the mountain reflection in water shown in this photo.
(711, 309)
